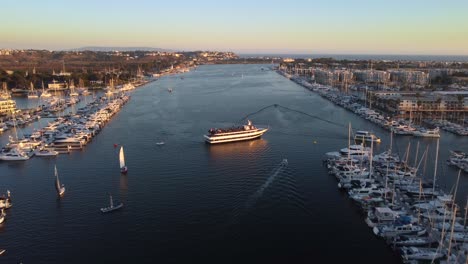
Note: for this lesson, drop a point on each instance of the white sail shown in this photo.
(60, 188)
(121, 158)
(57, 181)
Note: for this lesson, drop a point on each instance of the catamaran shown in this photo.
(123, 168)
(59, 187)
(111, 207)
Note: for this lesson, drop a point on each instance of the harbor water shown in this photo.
(187, 201)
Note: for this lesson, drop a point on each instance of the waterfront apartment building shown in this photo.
(409, 77)
(450, 105)
(371, 76)
(334, 77)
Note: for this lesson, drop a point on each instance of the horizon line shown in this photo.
(249, 52)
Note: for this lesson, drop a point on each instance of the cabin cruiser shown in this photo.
(433, 133)
(385, 157)
(45, 152)
(405, 241)
(355, 151)
(417, 253)
(397, 230)
(366, 136)
(440, 215)
(403, 130)
(245, 132)
(380, 216)
(13, 154)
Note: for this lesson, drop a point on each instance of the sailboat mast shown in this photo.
(435, 166)
(386, 181)
(451, 234)
(349, 141)
(417, 152)
(466, 214)
(391, 141)
(371, 154)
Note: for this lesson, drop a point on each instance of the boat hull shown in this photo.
(111, 209)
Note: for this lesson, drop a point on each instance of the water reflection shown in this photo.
(232, 150)
(123, 184)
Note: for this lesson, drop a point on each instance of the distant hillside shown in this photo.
(94, 48)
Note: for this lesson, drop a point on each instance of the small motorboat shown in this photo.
(111, 207)
(160, 143)
(2, 251)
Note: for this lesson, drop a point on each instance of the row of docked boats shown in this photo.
(456, 129)
(412, 215)
(398, 126)
(49, 106)
(22, 119)
(67, 133)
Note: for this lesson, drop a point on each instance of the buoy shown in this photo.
(115, 145)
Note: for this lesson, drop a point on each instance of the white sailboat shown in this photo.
(45, 93)
(59, 187)
(123, 168)
(72, 90)
(111, 207)
(32, 93)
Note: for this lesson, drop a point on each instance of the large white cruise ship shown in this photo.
(245, 132)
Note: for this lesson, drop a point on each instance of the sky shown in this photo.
(432, 27)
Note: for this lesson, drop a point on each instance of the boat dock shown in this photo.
(353, 103)
(70, 132)
(414, 216)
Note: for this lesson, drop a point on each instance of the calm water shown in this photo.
(188, 202)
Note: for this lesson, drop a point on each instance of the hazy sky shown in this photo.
(245, 26)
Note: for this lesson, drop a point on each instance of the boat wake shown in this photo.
(259, 193)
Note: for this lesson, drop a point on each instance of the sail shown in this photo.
(121, 158)
(57, 182)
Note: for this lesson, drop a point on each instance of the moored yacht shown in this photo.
(245, 132)
(13, 155)
(355, 151)
(45, 152)
(433, 133)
